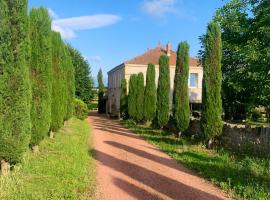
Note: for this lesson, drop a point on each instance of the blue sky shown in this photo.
(108, 32)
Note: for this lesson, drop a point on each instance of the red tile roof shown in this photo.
(152, 56)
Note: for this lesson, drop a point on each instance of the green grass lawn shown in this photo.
(244, 178)
(62, 169)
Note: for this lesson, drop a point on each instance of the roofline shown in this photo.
(116, 68)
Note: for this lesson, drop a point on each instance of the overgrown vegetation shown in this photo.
(80, 109)
(243, 177)
(63, 169)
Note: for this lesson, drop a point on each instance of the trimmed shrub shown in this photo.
(150, 94)
(211, 121)
(80, 109)
(15, 93)
(58, 89)
(124, 100)
(181, 110)
(163, 92)
(132, 97)
(41, 73)
(140, 97)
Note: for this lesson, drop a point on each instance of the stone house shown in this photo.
(139, 64)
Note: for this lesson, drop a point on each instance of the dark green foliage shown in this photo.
(41, 73)
(163, 92)
(181, 112)
(150, 94)
(132, 97)
(245, 60)
(211, 121)
(70, 83)
(101, 91)
(124, 100)
(58, 89)
(15, 93)
(80, 109)
(101, 87)
(83, 79)
(140, 97)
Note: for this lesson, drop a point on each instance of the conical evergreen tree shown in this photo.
(150, 94)
(132, 97)
(140, 97)
(181, 110)
(211, 121)
(15, 93)
(124, 100)
(41, 73)
(163, 92)
(58, 80)
(101, 91)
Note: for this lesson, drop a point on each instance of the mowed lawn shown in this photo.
(63, 169)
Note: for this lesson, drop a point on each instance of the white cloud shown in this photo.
(67, 27)
(52, 13)
(96, 59)
(158, 8)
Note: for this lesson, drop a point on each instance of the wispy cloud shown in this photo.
(52, 13)
(96, 59)
(68, 27)
(159, 8)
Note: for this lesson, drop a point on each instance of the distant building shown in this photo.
(139, 64)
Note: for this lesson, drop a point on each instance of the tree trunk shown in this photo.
(51, 135)
(210, 144)
(35, 149)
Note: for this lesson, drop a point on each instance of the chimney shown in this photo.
(159, 45)
(168, 49)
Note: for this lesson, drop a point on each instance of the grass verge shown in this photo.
(62, 169)
(244, 178)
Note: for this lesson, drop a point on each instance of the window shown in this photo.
(193, 80)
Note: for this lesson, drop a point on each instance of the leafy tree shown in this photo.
(140, 97)
(83, 79)
(41, 73)
(211, 121)
(101, 91)
(124, 99)
(15, 93)
(58, 80)
(181, 111)
(132, 97)
(163, 92)
(150, 94)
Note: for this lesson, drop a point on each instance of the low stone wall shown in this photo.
(241, 139)
(246, 139)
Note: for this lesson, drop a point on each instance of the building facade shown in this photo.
(140, 63)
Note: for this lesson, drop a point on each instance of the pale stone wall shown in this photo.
(126, 70)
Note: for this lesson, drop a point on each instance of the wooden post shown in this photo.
(5, 168)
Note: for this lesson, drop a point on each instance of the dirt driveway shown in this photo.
(130, 168)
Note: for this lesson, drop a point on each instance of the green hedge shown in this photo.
(80, 109)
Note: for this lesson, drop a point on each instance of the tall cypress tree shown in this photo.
(132, 96)
(57, 90)
(70, 84)
(101, 91)
(211, 121)
(41, 73)
(124, 99)
(140, 97)
(181, 110)
(163, 92)
(150, 94)
(15, 93)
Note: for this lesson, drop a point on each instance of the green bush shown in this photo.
(41, 73)
(15, 93)
(80, 109)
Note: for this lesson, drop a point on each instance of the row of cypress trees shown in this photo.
(36, 79)
(151, 104)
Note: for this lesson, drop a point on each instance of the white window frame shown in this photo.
(189, 80)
